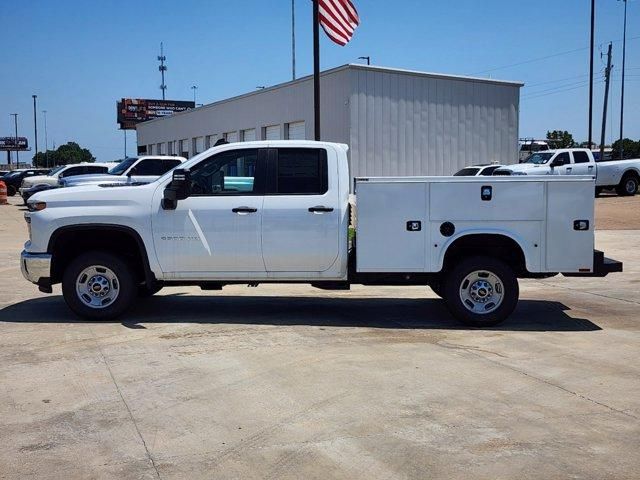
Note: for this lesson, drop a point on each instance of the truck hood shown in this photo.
(95, 178)
(95, 196)
(39, 180)
(527, 168)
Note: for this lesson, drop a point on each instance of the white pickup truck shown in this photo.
(256, 212)
(144, 169)
(623, 176)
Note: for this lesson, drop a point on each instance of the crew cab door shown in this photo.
(215, 232)
(562, 164)
(301, 216)
(582, 164)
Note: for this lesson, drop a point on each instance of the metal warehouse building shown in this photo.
(396, 122)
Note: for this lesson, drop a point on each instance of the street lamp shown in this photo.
(368, 59)
(194, 88)
(35, 125)
(46, 141)
(624, 54)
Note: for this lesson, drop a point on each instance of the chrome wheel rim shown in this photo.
(481, 292)
(97, 286)
(630, 186)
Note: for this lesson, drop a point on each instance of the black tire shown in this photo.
(628, 186)
(145, 291)
(11, 190)
(126, 284)
(506, 281)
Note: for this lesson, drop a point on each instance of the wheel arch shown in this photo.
(67, 242)
(497, 243)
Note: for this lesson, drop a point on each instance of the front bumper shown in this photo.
(36, 267)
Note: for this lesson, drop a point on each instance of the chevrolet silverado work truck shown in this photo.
(256, 212)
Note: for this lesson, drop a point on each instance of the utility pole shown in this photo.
(194, 88)
(293, 39)
(46, 140)
(607, 76)
(316, 69)
(593, 18)
(162, 68)
(125, 142)
(35, 125)
(624, 55)
(15, 121)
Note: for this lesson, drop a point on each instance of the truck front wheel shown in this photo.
(481, 291)
(98, 286)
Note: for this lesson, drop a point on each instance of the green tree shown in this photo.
(631, 149)
(65, 154)
(561, 139)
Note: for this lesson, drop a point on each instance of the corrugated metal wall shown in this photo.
(414, 124)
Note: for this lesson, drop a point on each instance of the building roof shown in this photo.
(354, 66)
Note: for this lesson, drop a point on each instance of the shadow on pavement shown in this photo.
(411, 313)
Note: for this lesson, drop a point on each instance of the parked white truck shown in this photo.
(623, 176)
(256, 212)
(143, 169)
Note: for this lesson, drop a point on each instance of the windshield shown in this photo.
(539, 158)
(56, 170)
(122, 167)
(467, 172)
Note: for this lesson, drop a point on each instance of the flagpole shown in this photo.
(316, 70)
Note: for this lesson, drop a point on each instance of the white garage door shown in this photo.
(272, 132)
(249, 135)
(231, 137)
(297, 131)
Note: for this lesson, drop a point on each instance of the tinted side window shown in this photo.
(301, 171)
(467, 172)
(580, 157)
(94, 170)
(166, 165)
(70, 172)
(487, 172)
(146, 167)
(227, 173)
(564, 158)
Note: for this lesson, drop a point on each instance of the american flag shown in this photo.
(339, 19)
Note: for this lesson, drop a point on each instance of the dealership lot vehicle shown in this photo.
(477, 171)
(14, 179)
(144, 169)
(52, 178)
(623, 176)
(279, 212)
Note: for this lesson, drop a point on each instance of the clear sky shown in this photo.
(79, 57)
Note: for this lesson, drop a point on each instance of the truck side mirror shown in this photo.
(178, 189)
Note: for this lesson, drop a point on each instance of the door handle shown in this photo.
(244, 210)
(569, 169)
(320, 209)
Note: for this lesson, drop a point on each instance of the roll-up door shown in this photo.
(297, 131)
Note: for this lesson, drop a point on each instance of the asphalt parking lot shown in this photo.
(289, 382)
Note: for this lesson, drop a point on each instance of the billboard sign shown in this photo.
(8, 144)
(132, 111)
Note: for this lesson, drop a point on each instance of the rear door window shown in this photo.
(299, 171)
(580, 157)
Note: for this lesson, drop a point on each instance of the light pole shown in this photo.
(368, 59)
(46, 140)
(194, 88)
(624, 54)
(35, 125)
(15, 121)
(593, 18)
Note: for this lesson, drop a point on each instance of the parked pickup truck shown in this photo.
(54, 176)
(265, 212)
(136, 170)
(623, 176)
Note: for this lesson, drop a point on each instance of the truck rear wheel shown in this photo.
(98, 286)
(481, 291)
(628, 186)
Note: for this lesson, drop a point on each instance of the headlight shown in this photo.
(36, 206)
(27, 219)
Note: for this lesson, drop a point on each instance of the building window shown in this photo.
(248, 135)
(271, 132)
(295, 131)
(198, 145)
(231, 137)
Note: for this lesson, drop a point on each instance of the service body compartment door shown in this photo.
(569, 246)
(392, 226)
